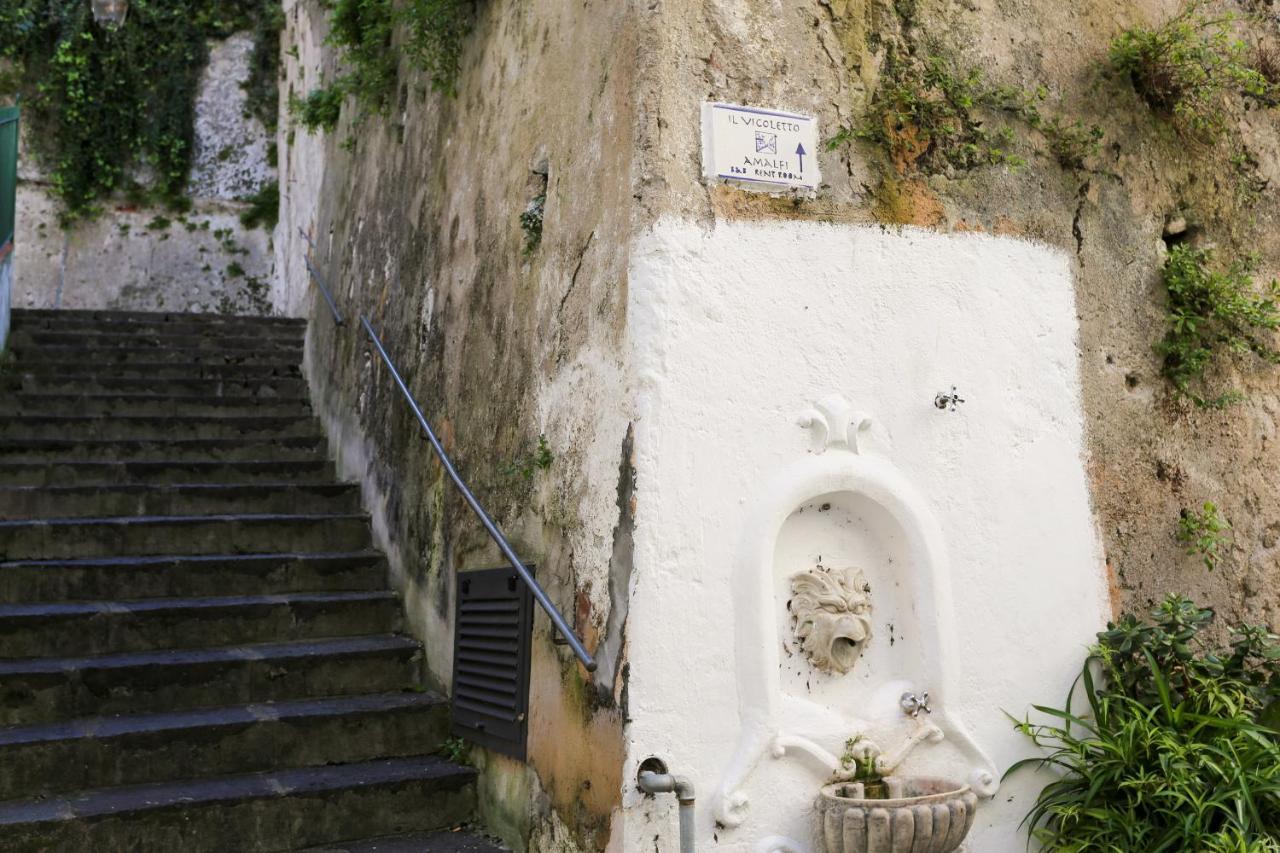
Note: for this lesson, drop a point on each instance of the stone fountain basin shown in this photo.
(920, 814)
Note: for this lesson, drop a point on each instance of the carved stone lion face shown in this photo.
(831, 616)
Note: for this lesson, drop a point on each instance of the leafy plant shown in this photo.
(264, 207)
(1209, 312)
(457, 750)
(1203, 533)
(860, 764)
(1178, 749)
(320, 109)
(531, 222)
(1184, 68)
(527, 464)
(105, 102)
(933, 115)
(363, 31)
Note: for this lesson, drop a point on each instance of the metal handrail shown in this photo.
(490, 526)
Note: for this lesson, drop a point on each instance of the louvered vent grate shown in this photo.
(493, 625)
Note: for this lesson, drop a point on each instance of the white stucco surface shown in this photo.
(974, 526)
(230, 155)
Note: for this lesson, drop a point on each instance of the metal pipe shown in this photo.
(328, 297)
(667, 783)
(505, 547)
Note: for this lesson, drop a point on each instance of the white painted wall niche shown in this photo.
(973, 526)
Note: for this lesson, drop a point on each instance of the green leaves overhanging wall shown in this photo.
(103, 102)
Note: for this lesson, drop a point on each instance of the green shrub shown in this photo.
(320, 109)
(264, 207)
(363, 31)
(1178, 750)
(1184, 68)
(1203, 532)
(1210, 312)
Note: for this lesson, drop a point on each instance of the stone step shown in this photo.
(33, 374)
(264, 354)
(94, 752)
(27, 340)
(63, 538)
(57, 318)
(108, 578)
(86, 384)
(82, 628)
(151, 405)
(456, 840)
(55, 450)
(43, 690)
(60, 473)
(251, 813)
(144, 427)
(32, 502)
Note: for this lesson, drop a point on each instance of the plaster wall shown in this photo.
(738, 328)
(151, 259)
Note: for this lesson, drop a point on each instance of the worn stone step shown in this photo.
(78, 628)
(56, 450)
(86, 384)
(93, 752)
(32, 502)
(33, 374)
(251, 813)
(264, 354)
(19, 474)
(150, 405)
(26, 340)
(441, 841)
(57, 318)
(184, 576)
(61, 538)
(46, 690)
(142, 427)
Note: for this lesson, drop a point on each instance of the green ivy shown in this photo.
(104, 101)
(364, 32)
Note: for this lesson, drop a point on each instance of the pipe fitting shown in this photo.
(666, 783)
(651, 781)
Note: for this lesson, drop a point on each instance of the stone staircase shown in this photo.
(198, 648)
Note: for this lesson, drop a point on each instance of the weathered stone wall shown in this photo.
(416, 219)
(150, 259)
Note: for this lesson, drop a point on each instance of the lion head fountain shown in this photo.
(831, 616)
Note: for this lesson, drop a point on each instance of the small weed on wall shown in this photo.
(1213, 312)
(1185, 68)
(1203, 533)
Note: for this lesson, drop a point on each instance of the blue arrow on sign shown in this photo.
(800, 150)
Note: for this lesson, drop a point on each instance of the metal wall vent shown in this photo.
(492, 629)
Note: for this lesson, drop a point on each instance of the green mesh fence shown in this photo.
(8, 174)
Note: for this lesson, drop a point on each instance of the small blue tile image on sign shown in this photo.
(766, 143)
